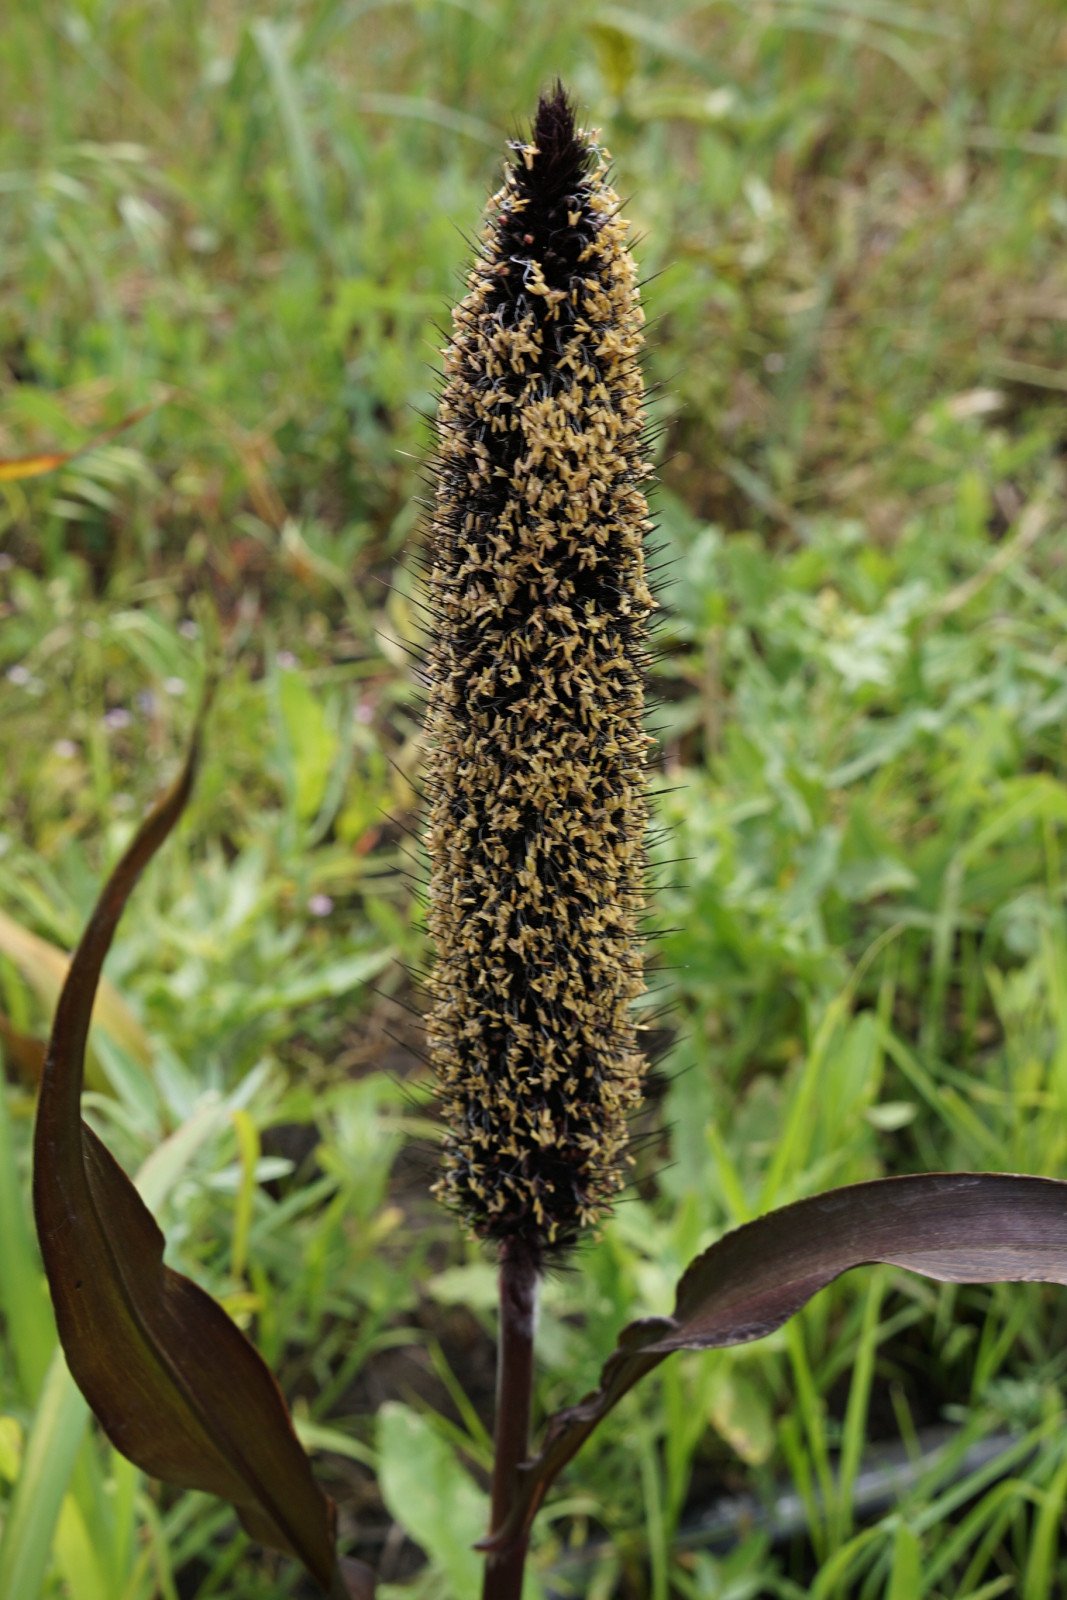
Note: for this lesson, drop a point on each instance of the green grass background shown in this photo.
(250, 220)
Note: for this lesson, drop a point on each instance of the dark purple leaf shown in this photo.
(964, 1227)
(176, 1385)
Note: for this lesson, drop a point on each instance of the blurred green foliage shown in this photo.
(252, 222)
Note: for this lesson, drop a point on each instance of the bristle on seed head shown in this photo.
(534, 725)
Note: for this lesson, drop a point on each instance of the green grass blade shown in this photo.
(271, 43)
(1042, 1566)
(22, 1298)
(51, 1449)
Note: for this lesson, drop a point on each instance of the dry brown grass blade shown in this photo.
(14, 468)
(44, 967)
(22, 1051)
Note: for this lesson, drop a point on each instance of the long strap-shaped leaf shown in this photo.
(961, 1227)
(175, 1384)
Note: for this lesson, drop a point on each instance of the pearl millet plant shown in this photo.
(537, 750)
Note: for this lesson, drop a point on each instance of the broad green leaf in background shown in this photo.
(312, 744)
(175, 1384)
(741, 1412)
(431, 1496)
(956, 1227)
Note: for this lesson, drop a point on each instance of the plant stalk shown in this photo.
(514, 1391)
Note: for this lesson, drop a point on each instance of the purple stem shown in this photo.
(514, 1390)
